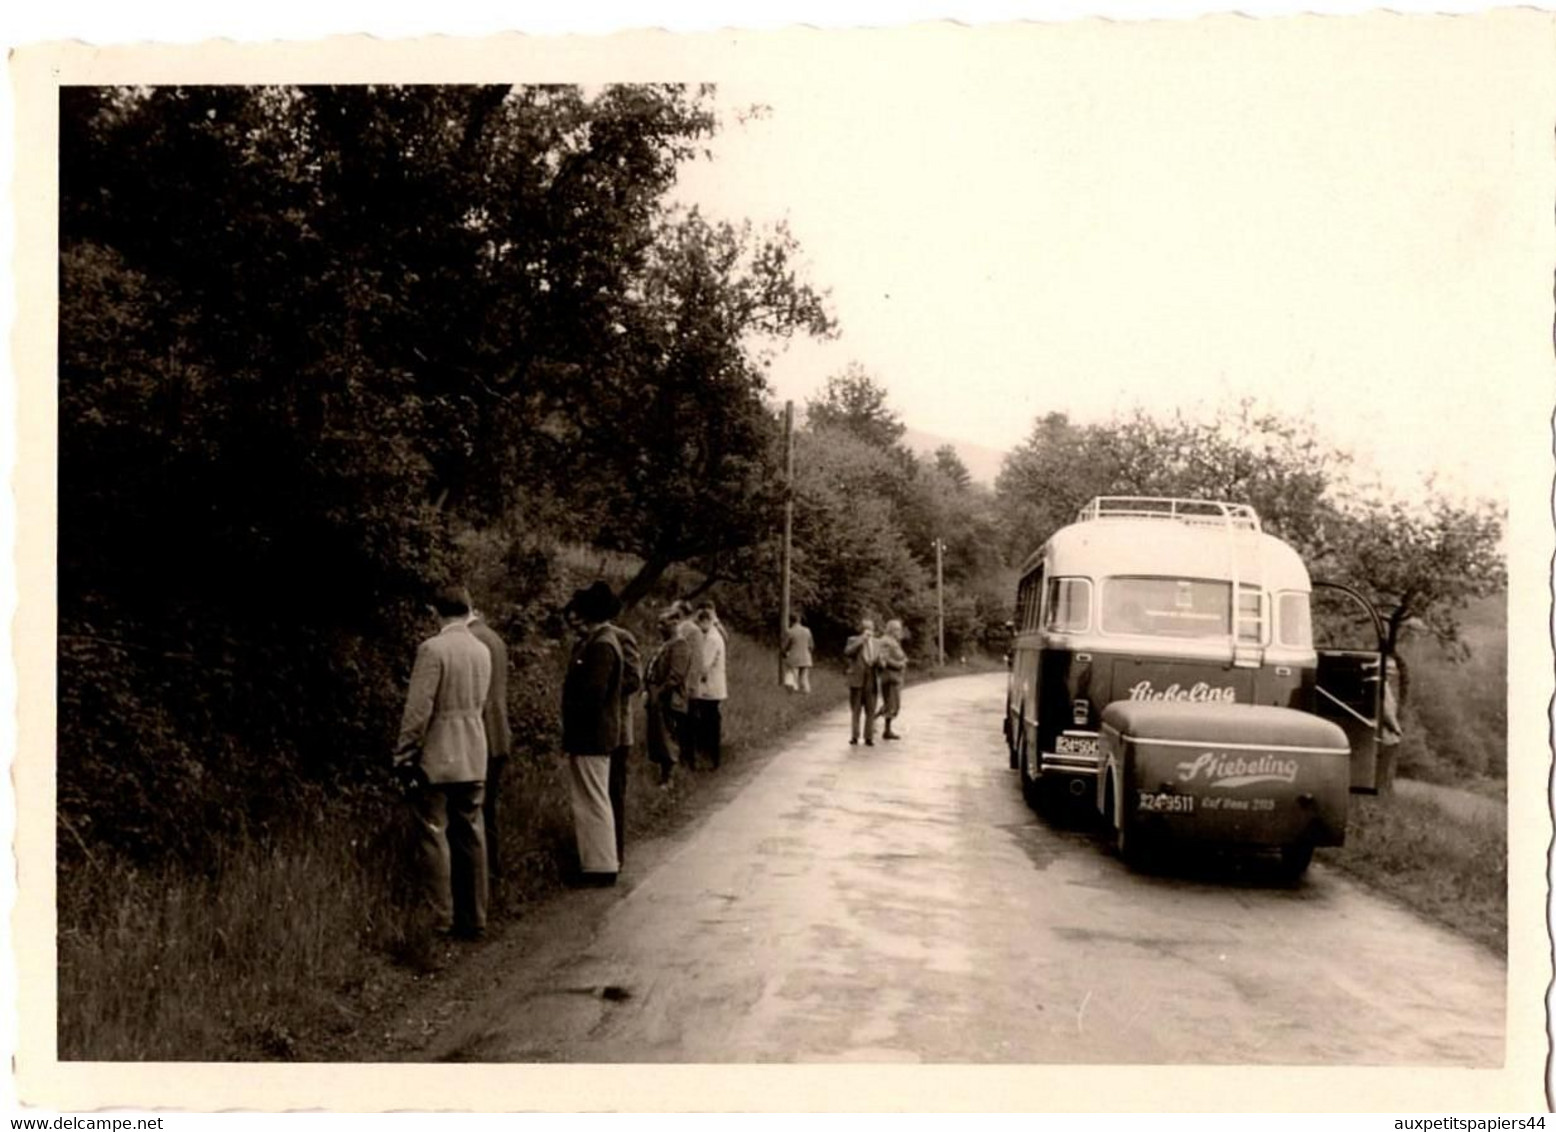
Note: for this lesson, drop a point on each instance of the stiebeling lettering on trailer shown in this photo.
(1238, 770)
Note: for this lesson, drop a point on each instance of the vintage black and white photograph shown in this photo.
(917, 547)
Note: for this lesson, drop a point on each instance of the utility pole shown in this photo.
(940, 601)
(788, 527)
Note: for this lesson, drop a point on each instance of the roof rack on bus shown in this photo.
(1207, 512)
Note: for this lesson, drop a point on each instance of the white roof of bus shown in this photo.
(1110, 547)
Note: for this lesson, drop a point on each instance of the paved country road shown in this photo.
(901, 903)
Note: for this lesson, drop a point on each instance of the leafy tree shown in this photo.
(851, 558)
(1420, 566)
(950, 465)
(855, 403)
(1276, 465)
(710, 483)
(1046, 480)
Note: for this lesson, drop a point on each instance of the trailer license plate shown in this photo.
(1167, 803)
(1075, 745)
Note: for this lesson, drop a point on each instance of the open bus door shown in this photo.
(1349, 685)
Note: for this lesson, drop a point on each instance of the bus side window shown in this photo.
(1067, 605)
(1295, 622)
(1035, 612)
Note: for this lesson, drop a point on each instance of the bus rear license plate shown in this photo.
(1072, 745)
(1167, 803)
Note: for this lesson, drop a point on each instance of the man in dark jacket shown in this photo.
(591, 729)
(666, 683)
(499, 739)
(861, 655)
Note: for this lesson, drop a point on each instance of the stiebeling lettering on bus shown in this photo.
(1198, 694)
(1229, 770)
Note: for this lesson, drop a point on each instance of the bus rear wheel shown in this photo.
(1031, 790)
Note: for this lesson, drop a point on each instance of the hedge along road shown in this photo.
(900, 903)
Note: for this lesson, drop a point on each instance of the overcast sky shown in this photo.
(1086, 218)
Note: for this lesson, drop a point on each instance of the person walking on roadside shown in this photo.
(892, 667)
(665, 694)
(499, 743)
(591, 730)
(440, 757)
(862, 655)
(798, 646)
(711, 688)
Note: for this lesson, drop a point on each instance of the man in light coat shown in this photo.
(441, 755)
(797, 655)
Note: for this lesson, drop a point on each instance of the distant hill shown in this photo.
(983, 463)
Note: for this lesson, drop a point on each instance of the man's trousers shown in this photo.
(451, 843)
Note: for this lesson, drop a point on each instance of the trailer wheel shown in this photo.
(1130, 844)
(1294, 860)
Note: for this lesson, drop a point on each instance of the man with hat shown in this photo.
(441, 758)
(591, 729)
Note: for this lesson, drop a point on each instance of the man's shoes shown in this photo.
(869, 742)
(853, 741)
(891, 735)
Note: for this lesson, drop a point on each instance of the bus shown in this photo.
(1163, 672)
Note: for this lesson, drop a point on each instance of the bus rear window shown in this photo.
(1069, 605)
(1166, 607)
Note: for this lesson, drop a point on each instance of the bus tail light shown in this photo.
(1082, 713)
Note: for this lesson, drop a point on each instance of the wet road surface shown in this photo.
(901, 903)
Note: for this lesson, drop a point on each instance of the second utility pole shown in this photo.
(940, 602)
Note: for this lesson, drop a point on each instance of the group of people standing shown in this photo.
(876, 668)
(455, 739)
(685, 683)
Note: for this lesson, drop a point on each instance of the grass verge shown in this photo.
(1451, 867)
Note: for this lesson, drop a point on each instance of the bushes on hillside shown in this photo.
(1455, 721)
